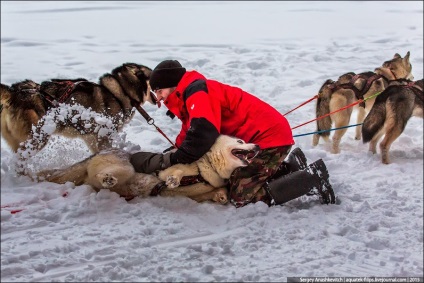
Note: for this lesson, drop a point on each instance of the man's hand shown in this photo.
(149, 162)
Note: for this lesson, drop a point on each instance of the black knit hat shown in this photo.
(167, 74)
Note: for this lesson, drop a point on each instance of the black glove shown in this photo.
(149, 162)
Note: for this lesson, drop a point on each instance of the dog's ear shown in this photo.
(407, 56)
(396, 56)
(328, 82)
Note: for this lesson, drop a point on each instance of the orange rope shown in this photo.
(315, 97)
(350, 105)
(343, 108)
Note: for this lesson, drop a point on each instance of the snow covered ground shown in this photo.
(280, 51)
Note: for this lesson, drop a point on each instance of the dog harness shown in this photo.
(185, 181)
(69, 88)
(190, 180)
(416, 89)
(359, 93)
(158, 189)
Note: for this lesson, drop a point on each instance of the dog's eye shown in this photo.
(240, 141)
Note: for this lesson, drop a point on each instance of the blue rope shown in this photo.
(322, 131)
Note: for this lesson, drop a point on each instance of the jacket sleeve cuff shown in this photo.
(166, 161)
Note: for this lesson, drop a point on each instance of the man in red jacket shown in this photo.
(208, 108)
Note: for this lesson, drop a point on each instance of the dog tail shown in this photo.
(375, 119)
(76, 173)
(323, 108)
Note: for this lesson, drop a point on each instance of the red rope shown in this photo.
(17, 204)
(163, 134)
(350, 105)
(12, 211)
(315, 97)
(149, 119)
(10, 205)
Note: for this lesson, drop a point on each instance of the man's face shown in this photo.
(163, 93)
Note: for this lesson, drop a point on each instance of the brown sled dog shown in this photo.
(26, 104)
(111, 169)
(349, 88)
(391, 112)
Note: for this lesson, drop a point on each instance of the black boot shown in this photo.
(299, 183)
(295, 161)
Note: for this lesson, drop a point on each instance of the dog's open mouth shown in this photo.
(245, 155)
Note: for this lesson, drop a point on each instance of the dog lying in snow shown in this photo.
(111, 169)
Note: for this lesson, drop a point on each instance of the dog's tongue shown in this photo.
(159, 104)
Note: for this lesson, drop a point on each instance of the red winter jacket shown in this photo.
(208, 108)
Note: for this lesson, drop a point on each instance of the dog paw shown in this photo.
(172, 181)
(220, 196)
(107, 180)
(385, 161)
(335, 151)
(373, 150)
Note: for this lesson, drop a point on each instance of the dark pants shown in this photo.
(246, 183)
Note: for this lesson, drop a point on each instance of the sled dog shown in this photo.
(26, 103)
(111, 169)
(391, 112)
(348, 89)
